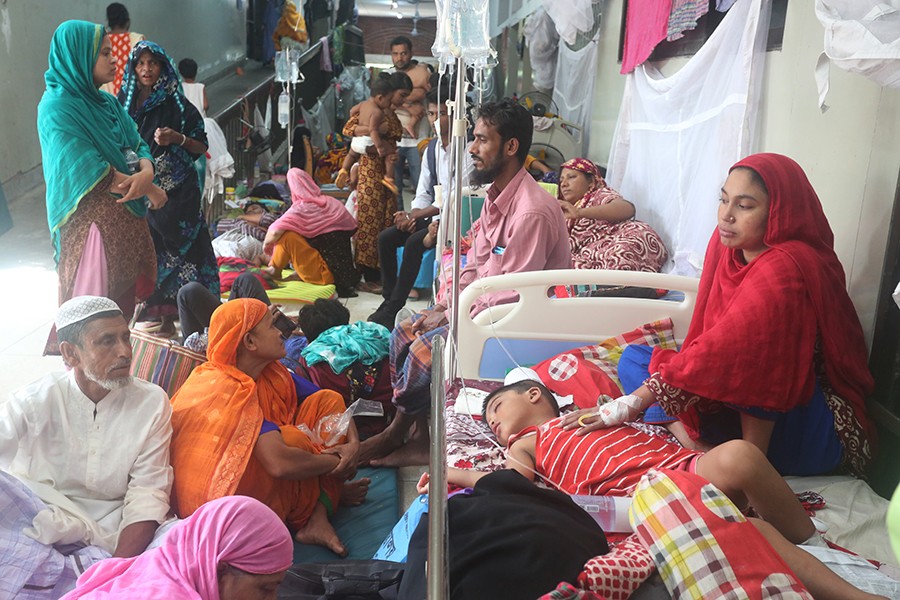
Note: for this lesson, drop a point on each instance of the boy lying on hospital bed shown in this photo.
(525, 418)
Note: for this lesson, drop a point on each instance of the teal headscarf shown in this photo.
(83, 131)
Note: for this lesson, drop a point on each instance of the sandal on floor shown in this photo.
(369, 287)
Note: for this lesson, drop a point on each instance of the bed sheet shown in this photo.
(855, 515)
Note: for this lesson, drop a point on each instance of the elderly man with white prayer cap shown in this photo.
(84, 458)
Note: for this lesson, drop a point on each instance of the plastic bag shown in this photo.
(331, 429)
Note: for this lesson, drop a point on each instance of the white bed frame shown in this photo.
(552, 325)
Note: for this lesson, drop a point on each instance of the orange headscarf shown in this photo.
(216, 419)
(218, 412)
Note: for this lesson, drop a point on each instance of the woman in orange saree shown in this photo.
(235, 430)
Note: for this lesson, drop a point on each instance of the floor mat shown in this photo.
(298, 292)
(361, 528)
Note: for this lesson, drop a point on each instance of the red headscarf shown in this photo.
(588, 168)
(753, 333)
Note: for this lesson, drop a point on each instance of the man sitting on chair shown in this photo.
(85, 457)
(521, 229)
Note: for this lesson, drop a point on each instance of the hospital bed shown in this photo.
(540, 326)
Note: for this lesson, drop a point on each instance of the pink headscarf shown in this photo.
(236, 530)
(312, 213)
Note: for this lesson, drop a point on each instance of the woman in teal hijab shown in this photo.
(99, 175)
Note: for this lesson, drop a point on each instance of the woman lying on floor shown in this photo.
(775, 352)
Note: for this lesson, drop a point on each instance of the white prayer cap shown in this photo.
(521, 374)
(525, 374)
(80, 308)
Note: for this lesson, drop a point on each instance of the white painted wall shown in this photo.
(212, 32)
(850, 153)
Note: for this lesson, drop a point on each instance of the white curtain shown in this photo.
(677, 136)
(573, 89)
(861, 36)
(571, 17)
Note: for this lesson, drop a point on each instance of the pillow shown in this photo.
(570, 374)
(470, 443)
(702, 545)
(618, 574)
(589, 371)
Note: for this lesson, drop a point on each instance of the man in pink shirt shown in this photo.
(521, 229)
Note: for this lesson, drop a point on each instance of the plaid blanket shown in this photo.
(28, 568)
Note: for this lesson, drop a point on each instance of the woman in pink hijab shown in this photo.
(233, 548)
(314, 237)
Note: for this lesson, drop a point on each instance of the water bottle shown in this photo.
(610, 512)
(132, 159)
(284, 109)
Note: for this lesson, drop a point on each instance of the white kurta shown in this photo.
(99, 467)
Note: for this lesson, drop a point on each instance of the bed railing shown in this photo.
(488, 342)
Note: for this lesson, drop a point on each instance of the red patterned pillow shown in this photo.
(703, 546)
(589, 371)
(569, 374)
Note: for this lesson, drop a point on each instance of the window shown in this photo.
(695, 38)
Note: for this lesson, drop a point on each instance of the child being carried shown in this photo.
(367, 134)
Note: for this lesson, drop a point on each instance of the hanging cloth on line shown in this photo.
(571, 18)
(573, 90)
(684, 17)
(861, 36)
(646, 25)
(677, 136)
(543, 45)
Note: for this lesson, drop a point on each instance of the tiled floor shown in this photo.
(29, 301)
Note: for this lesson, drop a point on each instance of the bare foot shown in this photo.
(166, 328)
(319, 532)
(354, 492)
(414, 453)
(377, 446)
(343, 177)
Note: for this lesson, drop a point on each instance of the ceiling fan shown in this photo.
(416, 17)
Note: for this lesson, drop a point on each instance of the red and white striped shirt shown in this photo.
(605, 462)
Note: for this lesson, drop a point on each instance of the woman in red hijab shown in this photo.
(775, 352)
